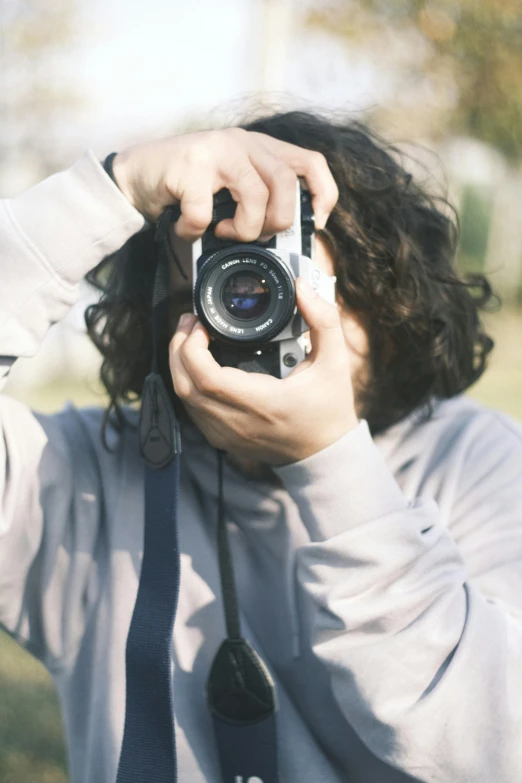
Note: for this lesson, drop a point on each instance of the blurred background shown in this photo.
(441, 79)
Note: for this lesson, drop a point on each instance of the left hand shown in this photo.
(264, 418)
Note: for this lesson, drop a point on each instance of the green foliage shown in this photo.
(466, 56)
(475, 215)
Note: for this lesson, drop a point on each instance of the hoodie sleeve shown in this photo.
(419, 628)
(50, 237)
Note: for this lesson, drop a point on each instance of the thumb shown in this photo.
(326, 334)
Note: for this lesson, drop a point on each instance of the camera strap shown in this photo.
(148, 750)
(240, 691)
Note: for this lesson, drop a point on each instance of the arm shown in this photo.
(49, 238)
(423, 659)
(421, 633)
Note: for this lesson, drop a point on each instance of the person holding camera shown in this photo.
(373, 512)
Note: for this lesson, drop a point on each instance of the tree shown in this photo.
(457, 65)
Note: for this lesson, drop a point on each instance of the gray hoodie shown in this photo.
(381, 579)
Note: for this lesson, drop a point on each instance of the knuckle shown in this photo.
(280, 174)
(318, 159)
(206, 385)
(236, 133)
(196, 218)
(284, 174)
(261, 193)
(248, 177)
(195, 200)
(196, 210)
(253, 203)
(233, 143)
(181, 388)
(197, 154)
(249, 232)
(186, 232)
(244, 171)
(279, 222)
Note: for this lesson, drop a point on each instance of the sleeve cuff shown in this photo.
(345, 485)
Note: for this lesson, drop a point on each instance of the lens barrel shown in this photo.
(244, 294)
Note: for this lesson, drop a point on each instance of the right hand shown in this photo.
(259, 171)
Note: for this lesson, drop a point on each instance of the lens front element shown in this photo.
(246, 295)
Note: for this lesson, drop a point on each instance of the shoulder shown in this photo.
(488, 448)
(458, 423)
(478, 432)
(463, 449)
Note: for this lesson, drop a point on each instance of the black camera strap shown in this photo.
(148, 750)
(240, 690)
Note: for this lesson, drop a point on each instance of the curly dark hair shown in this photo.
(393, 245)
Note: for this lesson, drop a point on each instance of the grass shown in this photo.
(31, 743)
(501, 385)
(31, 735)
(32, 748)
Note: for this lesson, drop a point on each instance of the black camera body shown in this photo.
(244, 294)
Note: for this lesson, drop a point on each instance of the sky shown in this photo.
(146, 65)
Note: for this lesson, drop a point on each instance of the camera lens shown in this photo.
(246, 295)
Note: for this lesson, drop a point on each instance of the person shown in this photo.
(374, 511)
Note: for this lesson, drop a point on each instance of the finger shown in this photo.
(311, 165)
(280, 180)
(251, 194)
(196, 207)
(326, 334)
(229, 385)
(194, 401)
(206, 374)
(183, 383)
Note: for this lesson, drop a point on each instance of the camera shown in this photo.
(244, 294)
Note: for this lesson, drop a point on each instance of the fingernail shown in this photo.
(306, 289)
(184, 320)
(320, 221)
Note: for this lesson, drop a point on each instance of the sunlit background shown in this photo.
(442, 79)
